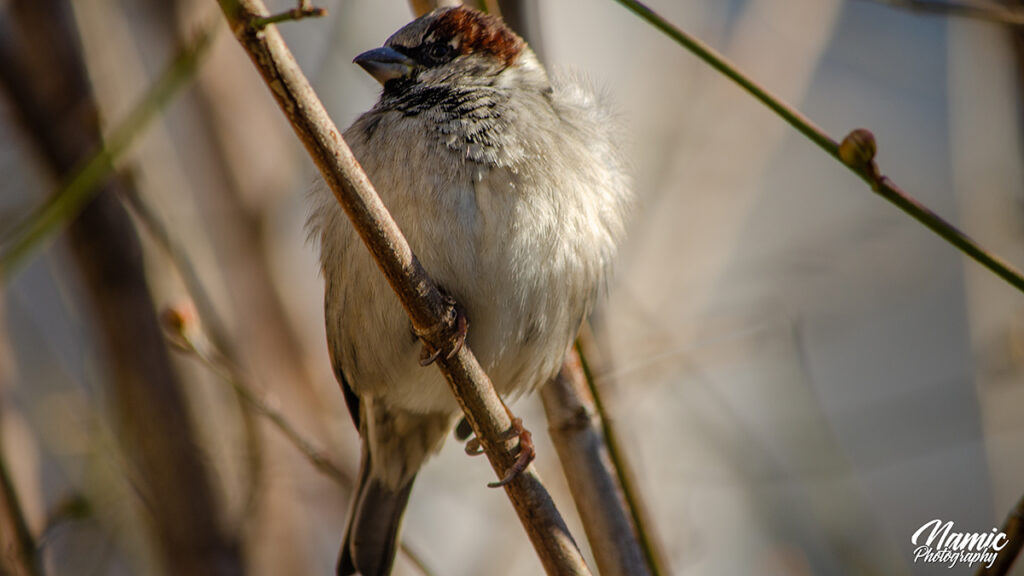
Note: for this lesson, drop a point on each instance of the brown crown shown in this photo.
(479, 33)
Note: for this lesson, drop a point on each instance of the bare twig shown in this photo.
(430, 313)
(183, 330)
(213, 327)
(1014, 530)
(880, 184)
(578, 437)
(305, 9)
(184, 333)
(977, 9)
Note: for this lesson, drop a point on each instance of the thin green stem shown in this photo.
(728, 69)
(890, 191)
(867, 172)
(38, 229)
(634, 502)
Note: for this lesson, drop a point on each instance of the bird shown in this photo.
(511, 189)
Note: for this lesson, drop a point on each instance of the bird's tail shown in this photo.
(372, 535)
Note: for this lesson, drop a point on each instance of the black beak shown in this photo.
(385, 63)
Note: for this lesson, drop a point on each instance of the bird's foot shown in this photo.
(454, 340)
(527, 451)
(473, 447)
(526, 454)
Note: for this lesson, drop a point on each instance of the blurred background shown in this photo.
(802, 375)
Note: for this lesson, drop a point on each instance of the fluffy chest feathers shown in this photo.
(513, 205)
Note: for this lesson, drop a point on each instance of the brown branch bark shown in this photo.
(577, 435)
(47, 84)
(428, 311)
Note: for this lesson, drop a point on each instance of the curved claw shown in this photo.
(456, 340)
(473, 447)
(461, 330)
(527, 452)
(428, 359)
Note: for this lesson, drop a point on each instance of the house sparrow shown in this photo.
(511, 192)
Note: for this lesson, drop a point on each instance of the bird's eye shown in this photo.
(439, 51)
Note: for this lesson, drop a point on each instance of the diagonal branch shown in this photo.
(862, 165)
(428, 311)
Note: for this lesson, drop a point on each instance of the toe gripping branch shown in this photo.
(527, 451)
(452, 330)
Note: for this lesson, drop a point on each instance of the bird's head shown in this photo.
(452, 46)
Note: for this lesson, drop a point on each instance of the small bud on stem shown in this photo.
(858, 149)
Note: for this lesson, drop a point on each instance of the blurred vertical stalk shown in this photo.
(1014, 525)
(1018, 49)
(46, 81)
(18, 551)
(18, 557)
